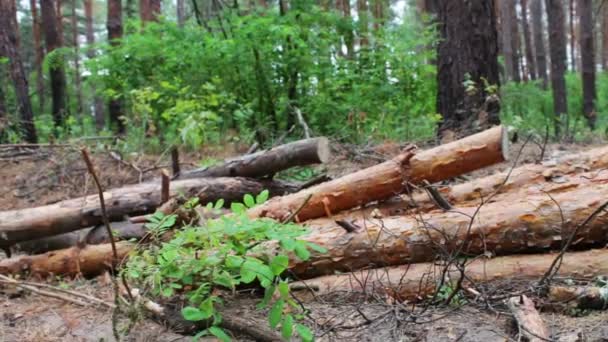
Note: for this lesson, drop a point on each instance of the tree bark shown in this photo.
(9, 47)
(149, 10)
(390, 178)
(536, 11)
(53, 41)
(468, 46)
(415, 282)
(585, 9)
(39, 52)
(362, 12)
(530, 63)
(571, 19)
(98, 107)
(88, 261)
(605, 37)
(268, 162)
(74, 214)
(75, 45)
(557, 51)
(526, 221)
(509, 33)
(181, 13)
(582, 297)
(531, 325)
(114, 26)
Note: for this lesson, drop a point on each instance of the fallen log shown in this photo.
(581, 297)
(529, 221)
(390, 178)
(74, 214)
(417, 281)
(268, 162)
(531, 325)
(88, 261)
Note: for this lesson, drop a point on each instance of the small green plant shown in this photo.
(227, 252)
(446, 291)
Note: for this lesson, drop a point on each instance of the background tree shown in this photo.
(9, 47)
(114, 26)
(39, 52)
(76, 47)
(557, 51)
(571, 23)
(53, 41)
(604, 35)
(585, 10)
(467, 53)
(530, 63)
(509, 36)
(540, 54)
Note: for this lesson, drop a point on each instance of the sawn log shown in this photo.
(390, 178)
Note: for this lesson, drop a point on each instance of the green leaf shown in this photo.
(234, 261)
(224, 279)
(274, 316)
(284, 290)
(193, 314)
(207, 307)
(167, 292)
(301, 251)
(287, 327)
(249, 201)
(316, 247)
(247, 274)
(238, 208)
(219, 333)
(219, 204)
(304, 332)
(262, 197)
(268, 292)
(288, 244)
(279, 263)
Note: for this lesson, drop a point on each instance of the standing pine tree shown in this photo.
(557, 51)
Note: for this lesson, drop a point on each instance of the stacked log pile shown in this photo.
(380, 223)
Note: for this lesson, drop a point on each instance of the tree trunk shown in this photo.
(114, 26)
(531, 325)
(389, 178)
(181, 13)
(149, 10)
(588, 60)
(268, 162)
(526, 221)
(9, 47)
(530, 63)
(76, 47)
(536, 11)
(557, 51)
(362, 12)
(572, 35)
(39, 52)
(349, 39)
(605, 37)
(98, 110)
(509, 33)
(417, 281)
(74, 214)
(468, 47)
(56, 72)
(88, 261)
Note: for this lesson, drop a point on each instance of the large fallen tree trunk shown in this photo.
(74, 214)
(561, 170)
(417, 281)
(268, 162)
(536, 219)
(90, 260)
(390, 178)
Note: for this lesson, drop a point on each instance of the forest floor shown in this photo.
(56, 174)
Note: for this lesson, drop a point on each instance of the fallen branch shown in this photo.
(531, 325)
(581, 297)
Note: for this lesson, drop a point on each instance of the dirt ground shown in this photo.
(44, 177)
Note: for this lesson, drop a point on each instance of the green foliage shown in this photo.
(225, 253)
(446, 291)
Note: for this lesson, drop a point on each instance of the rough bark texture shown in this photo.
(76, 47)
(509, 34)
(39, 52)
(74, 214)
(362, 12)
(605, 37)
(390, 178)
(540, 55)
(531, 325)
(530, 63)
(149, 10)
(557, 50)
(531, 221)
(585, 10)
(468, 45)
(416, 281)
(269, 162)
(88, 261)
(9, 47)
(114, 26)
(571, 19)
(53, 41)
(98, 106)
(181, 12)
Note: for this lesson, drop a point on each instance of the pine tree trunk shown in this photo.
(557, 51)
(530, 64)
(605, 37)
(571, 19)
(39, 52)
(9, 47)
(508, 30)
(588, 60)
(362, 12)
(468, 46)
(53, 41)
(181, 13)
(540, 54)
(98, 107)
(75, 44)
(114, 26)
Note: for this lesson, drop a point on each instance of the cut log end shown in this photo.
(323, 150)
(505, 143)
